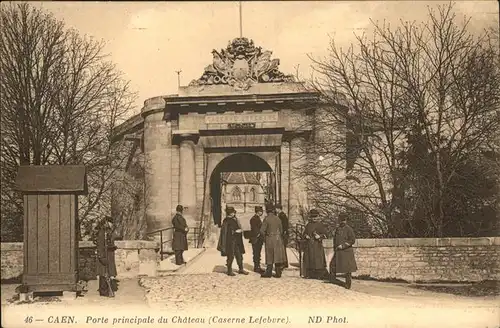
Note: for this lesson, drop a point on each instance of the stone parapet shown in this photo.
(133, 258)
(426, 259)
(416, 242)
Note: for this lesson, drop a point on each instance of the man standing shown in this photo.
(106, 266)
(314, 253)
(179, 242)
(285, 224)
(275, 250)
(231, 242)
(343, 260)
(256, 238)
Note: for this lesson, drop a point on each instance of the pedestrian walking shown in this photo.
(256, 239)
(106, 266)
(272, 231)
(231, 242)
(285, 224)
(179, 241)
(314, 253)
(343, 260)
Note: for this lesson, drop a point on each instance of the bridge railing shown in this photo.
(193, 236)
(296, 242)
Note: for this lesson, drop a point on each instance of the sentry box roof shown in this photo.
(52, 179)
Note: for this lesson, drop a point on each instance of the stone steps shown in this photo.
(168, 266)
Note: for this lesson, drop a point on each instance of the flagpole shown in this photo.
(241, 22)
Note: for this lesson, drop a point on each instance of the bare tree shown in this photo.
(61, 99)
(434, 83)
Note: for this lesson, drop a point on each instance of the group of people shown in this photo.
(343, 260)
(273, 233)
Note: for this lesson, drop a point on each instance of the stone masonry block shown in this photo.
(459, 241)
(480, 241)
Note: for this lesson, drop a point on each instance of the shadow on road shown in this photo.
(479, 289)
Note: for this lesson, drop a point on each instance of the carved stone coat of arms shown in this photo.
(241, 65)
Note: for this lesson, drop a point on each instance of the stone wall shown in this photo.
(133, 258)
(427, 259)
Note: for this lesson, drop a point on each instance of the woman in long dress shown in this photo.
(314, 253)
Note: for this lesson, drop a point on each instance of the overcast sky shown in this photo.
(149, 41)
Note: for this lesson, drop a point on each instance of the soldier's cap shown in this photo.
(179, 208)
(279, 207)
(269, 208)
(258, 209)
(230, 209)
(313, 213)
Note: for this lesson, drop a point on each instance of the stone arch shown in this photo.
(236, 162)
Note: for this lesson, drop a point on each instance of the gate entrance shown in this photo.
(243, 181)
(242, 120)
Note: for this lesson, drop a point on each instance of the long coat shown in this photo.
(344, 260)
(105, 252)
(229, 240)
(273, 235)
(255, 225)
(314, 253)
(179, 242)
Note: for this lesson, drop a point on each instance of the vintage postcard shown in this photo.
(250, 164)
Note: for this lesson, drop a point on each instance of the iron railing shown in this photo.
(296, 241)
(193, 236)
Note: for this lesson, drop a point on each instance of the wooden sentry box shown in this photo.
(51, 228)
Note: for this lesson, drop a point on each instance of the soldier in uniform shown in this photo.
(285, 224)
(106, 266)
(256, 238)
(179, 241)
(275, 250)
(231, 242)
(343, 260)
(314, 253)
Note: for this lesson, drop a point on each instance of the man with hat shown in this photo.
(256, 238)
(314, 253)
(106, 266)
(343, 260)
(285, 224)
(231, 241)
(179, 241)
(275, 250)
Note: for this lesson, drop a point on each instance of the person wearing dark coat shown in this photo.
(106, 266)
(314, 253)
(343, 260)
(179, 242)
(231, 242)
(256, 238)
(272, 231)
(285, 224)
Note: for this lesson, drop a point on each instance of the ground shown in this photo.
(202, 290)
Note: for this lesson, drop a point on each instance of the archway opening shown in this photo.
(243, 181)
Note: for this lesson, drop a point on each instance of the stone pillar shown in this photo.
(187, 180)
(297, 184)
(158, 166)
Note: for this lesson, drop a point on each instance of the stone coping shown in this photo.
(418, 242)
(256, 88)
(121, 244)
(327, 243)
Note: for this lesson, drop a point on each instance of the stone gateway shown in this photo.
(241, 115)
